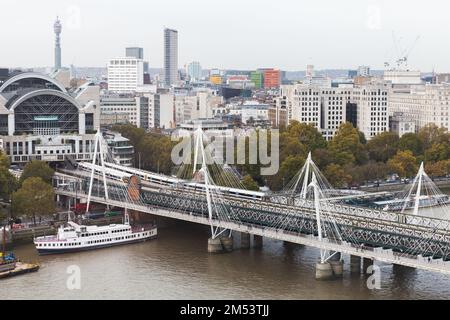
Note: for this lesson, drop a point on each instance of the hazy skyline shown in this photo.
(284, 34)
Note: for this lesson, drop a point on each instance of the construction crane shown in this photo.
(401, 60)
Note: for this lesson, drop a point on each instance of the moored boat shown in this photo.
(74, 237)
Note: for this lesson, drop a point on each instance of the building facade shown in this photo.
(372, 103)
(41, 120)
(272, 78)
(194, 71)
(326, 107)
(135, 52)
(257, 78)
(125, 74)
(120, 147)
(422, 104)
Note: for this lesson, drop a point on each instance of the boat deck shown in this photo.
(20, 268)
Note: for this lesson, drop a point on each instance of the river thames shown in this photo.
(176, 265)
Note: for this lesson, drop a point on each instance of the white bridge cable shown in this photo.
(423, 198)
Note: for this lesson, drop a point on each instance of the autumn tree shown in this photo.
(404, 164)
(306, 134)
(346, 146)
(34, 199)
(370, 171)
(431, 134)
(438, 169)
(337, 176)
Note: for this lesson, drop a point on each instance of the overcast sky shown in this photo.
(240, 34)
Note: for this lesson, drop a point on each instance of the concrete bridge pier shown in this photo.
(335, 256)
(215, 245)
(257, 241)
(324, 271)
(337, 264)
(227, 243)
(245, 240)
(355, 264)
(366, 264)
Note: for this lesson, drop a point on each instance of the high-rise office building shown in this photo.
(194, 71)
(170, 56)
(135, 52)
(57, 28)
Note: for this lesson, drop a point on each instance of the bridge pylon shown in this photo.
(98, 154)
(330, 264)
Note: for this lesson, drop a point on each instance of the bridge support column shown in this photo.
(215, 245)
(366, 264)
(245, 240)
(324, 271)
(335, 256)
(257, 241)
(227, 243)
(338, 267)
(337, 264)
(355, 264)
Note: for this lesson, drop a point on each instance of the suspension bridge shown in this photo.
(305, 213)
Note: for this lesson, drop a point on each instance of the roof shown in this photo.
(31, 75)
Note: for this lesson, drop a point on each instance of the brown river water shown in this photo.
(176, 265)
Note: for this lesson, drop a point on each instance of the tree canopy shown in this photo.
(348, 159)
(8, 183)
(35, 198)
(404, 164)
(39, 169)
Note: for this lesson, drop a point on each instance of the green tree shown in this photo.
(306, 134)
(404, 164)
(337, 176)
(437, 152)
(322, 157)
(288, 169)
(249, 183)
(34, 199)
(131, 132)
(412, 142)
(8, 183)
(39, 169)
(382, 147)
(346, 146)
(370, 171)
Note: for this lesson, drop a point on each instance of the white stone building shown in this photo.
(125, 74)
(372, 108)
(422, 104)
